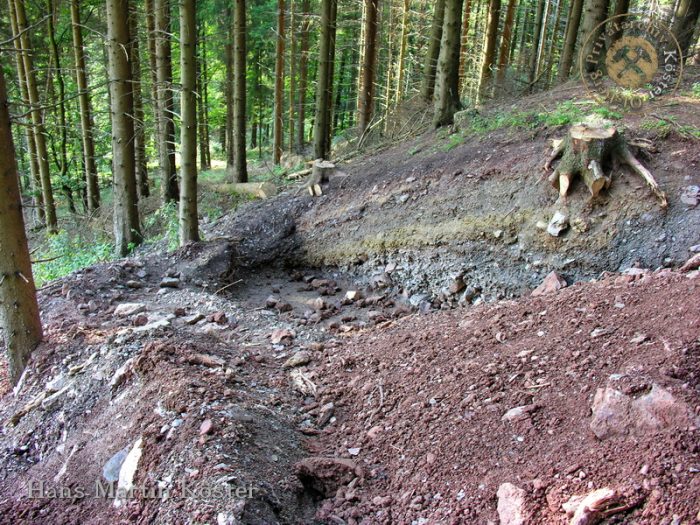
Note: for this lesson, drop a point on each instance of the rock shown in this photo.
(193, 319)
(456, 286)
(519, 413)
(207, 427)
(56, 384)
(373, 432)
(325, 475)
(318, 304)
(353, 295)
(355, 451)
(128, 309)
(322, 283)
(315, 347)
(586, 510)
(417, 299)
(298, 359)
(170, 282)
(691, 195)
(111, 469)
(180, 312)
(615, 413)
(325, 414)
(552, 283)
(127, 473)
(691, 264)
(559, 223)
(140, 320)
(218, 318)
(383, 280)
(284, 307)
(122, 374)
(282, 335)
(134, 284)
(210, 361)
(511, 504)
(376, 315)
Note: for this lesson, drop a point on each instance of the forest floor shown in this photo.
(441, 391)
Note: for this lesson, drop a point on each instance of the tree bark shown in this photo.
(239, 93)
(189, 225)
(321, 138)
(331, 74)
(169, 189)
(37, 119)
(369, 64)
(292, 73)
(594, 12)
(684, 22)
(279, 85)
(536, 39)
(431, 57)
(228, 50)
(567, 53)
(127, 231)
(139, 131)
(505, 43)
(86, 124)
(464, 39)
(303, 73)
(490, 51)
(402, 51)
(202, 106)
(19, 311)
(37, 197)
(447, 81)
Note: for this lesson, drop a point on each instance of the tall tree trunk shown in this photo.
(555, 37)
(303, 73)
(536, 38)
(153, 68)
(139, 130)
(464, 44)
(61, 103)
(189, 225)
(292, 73)
(389, 63)
(490, 51)
(86, 124)
(594, 12)
(169, 189)
(621, 8)
(369, 64)
(338, 107)
(567, 52)
(202, 125)
(402, 51)
(323, 85)
(447, 80)
(37, 119)
(504, 53)
(431, 57)
(228, 50)
(331, 74)
(127, 231)
(279, 85)
(239, 92)
(19, 311)
(37, 197)
(684, 21)
(543, 42)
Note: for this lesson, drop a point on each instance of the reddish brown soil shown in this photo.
(423, 402)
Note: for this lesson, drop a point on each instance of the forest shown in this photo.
(353, 261)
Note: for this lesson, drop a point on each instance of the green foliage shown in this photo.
(162, 225)
(65, 253)
(695, 91)
(455, 140)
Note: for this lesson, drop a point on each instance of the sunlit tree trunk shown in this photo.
(536, 39)
(447, 80)
(567, 53)
(504, 52)
(292, 73)
(37, 119)
(279, 85)
(19, 311)
(402, 51)
(189, 225)
(323, 85)
(464, 48)
(369, 64)
(684, 22)
(594, 12)
(127, 232)
(490, 50)
(239, 92)
(169, 189)
(139, 130)
(86, 124)
(37, 197)
(303, 74)
(431, 57)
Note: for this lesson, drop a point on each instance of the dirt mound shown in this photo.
(595, 386)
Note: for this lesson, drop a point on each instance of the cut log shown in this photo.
(263, 190)
(590, 147)
(299, 174)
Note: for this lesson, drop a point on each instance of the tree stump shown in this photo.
(591, 146)
(320, 173)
